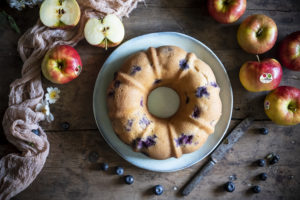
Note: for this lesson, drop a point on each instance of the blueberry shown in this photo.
(187, 100)
(263, 176)
(264, 131)
(117, 83)
(261, 162)
(157, 81)
(111, 93)
(104, 166)
(196, 112)
(129, 179)
(214, 84)
(135, 69)
(144, 122)
(129, 125)
(158, 190)
(65, 125)
(275, 159)
(36, 131)
(119, 170)
(183, 64)
(229, 186)
(201, 92)
(256, 189)
(149, 141)
(142, 102)
(184, 139)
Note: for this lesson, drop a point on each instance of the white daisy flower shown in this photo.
(44, 108)
(53, 95)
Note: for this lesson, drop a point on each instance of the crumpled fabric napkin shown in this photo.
(17, 171)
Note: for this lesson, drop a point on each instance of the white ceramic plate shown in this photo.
(114, 62)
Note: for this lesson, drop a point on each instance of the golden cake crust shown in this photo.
(200, 104)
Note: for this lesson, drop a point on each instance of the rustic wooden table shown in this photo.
(72, 169)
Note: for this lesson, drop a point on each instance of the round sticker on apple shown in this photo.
(266, 78)
(267, 105)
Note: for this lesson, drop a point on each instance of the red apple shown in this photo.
(226, 11)
(289, 51)
(261, 76)
(61, 64)
(282, 105)
(257, 34)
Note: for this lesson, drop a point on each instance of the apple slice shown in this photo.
(60, 13)
(106, 32)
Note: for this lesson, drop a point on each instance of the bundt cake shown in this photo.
(167, 66)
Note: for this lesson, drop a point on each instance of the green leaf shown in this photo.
(5, 17)
(13, 24)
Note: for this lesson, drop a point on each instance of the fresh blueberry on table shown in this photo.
(158, 190)
(256, 189)
(229, 186)
(261, 162)
(264, 131)
(104, 166)
(129, 179)
(119, 170)
(65, 125)
(263, 176)
(275, 159)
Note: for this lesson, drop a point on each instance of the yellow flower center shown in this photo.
(52, 95)
(44, 110)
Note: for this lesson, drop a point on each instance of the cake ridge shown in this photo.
(172, 136)
(130, 80)
(155, 63)
(201, 124)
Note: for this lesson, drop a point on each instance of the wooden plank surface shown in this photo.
(72, 168)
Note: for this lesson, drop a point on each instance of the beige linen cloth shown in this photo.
(17, 171)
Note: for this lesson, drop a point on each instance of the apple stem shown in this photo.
(105, 43)
(257, 58)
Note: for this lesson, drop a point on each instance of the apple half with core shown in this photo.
(282, 105)
(257, 34)
(104, 32)
(61, 64)
(258, 76)
(289, 51)
(226, 11)
(60, 13)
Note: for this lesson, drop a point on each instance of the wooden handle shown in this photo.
(197, 178)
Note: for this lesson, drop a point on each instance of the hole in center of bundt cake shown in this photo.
(163, 102)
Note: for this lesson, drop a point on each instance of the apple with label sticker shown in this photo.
(257, 76)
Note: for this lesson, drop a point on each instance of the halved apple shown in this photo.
(106, 32)
(60, 13)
